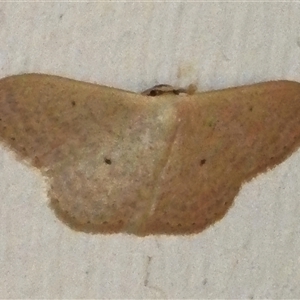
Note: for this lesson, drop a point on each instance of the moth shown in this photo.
(166, 161)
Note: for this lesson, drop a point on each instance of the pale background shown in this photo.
(253, 252)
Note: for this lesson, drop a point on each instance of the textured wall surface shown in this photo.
(253, 252)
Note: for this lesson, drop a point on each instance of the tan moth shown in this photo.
(118, 161)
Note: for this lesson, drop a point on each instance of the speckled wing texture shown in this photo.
(117, 161)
